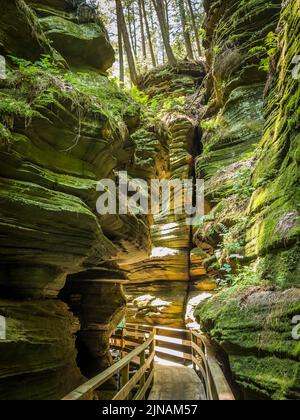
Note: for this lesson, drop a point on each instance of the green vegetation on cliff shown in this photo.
(251, 319)
(230, 118)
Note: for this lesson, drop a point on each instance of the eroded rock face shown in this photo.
(99, 306)
(254, 225)
(26, 43)
(159, 285)
(253, 326)
(62, 131)
(38, 358)
(274, 205)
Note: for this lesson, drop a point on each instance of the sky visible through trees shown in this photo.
(148, 33)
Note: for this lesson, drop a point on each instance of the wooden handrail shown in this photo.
(222, 388)
(140, 395)
(127, 388)
(215, 381)
(157, 327)
(88, 387)
(201, 355)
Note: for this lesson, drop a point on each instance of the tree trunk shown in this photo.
(195, 28)
(153, 59)
(144, 51)
(187, 38)
(121, 54)
(134, 31)
(129, 23)
(167, 18)
(127, 45)
(160, 11)
(151, 15)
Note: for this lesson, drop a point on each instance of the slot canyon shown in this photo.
(69, 276)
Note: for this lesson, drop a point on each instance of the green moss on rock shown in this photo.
(81, 44)
(251, 320)
(253, 325)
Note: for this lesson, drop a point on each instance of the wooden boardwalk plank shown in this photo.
(176, 383)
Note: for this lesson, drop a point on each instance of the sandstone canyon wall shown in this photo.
(64, 126)
(159, 287)
(232, 119)
(251, 163)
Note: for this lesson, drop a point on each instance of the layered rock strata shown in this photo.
(159, 286)
(250, 139)
(64, 125)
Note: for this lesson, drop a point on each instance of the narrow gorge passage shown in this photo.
(96, 92)
(160, 288)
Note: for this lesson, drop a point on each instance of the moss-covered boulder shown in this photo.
(20, 32)
(82, 45)
(76, 31)
(254, 326)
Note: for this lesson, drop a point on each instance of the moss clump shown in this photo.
(268, 377)
(104, 95)
(33, 88)
(252, 322)
(11, 108)
(281, 268)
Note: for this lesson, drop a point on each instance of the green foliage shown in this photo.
(46, 63)
(5, 136)
(270, 50)
(230, 250)
(204, 219)
(39, 85)
(266, 51)
(97, 94)
(216, 50)
(258, 49)
(265, 64)
(210, 124)
(138, 96)
(155, 107)
(10, 108)
(173, 104)
(203, 34)
(245, 275)
(165, 73)
(251, 154)
(242, 185)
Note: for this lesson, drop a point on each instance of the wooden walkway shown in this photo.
(160, 363)
(176, 383)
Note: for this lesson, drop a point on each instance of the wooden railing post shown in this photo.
(192, 350)
(153, 350)
(142, 362)
(123, 341)
(125, 375)
(123, 367)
